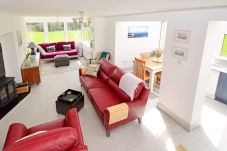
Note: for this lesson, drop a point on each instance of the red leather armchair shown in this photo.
(61, 135)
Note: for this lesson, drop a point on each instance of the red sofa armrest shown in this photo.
(15, 132)
(80, 148)
(54, 140)
(47, 126)
(136, 107)
(72, 120)
(82, 71)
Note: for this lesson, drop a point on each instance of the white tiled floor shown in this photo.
(157, 132)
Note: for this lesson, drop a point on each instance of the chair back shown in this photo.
(145, 55)
(101, 55)
(139, 68)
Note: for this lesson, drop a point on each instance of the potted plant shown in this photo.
(27, 59)
(158, 55)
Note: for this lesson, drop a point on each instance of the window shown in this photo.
(74, 31)
(50, 29)
(224, 47)
(35, 32)
(56, 32)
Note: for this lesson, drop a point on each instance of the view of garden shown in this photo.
(56, 32)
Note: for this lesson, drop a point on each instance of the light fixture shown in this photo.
(81, 19)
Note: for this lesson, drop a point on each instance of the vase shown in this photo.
(27, 62)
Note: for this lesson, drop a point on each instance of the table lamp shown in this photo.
(32, 46)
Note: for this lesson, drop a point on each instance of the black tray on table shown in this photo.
(69, 96)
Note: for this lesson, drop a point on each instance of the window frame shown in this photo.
(64, 20)
(223, 43)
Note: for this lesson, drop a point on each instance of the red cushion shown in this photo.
(118, 91)
(104, 97)
(107, 66)
(117, 74)
(59, 52)
(138, 90)
(90, 82)
(102, 75)
(59, 139)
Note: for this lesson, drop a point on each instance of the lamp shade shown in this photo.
(32, 45)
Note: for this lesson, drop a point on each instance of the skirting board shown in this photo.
(189, 127)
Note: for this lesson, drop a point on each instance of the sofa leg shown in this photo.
(107, 133)
(140, 120)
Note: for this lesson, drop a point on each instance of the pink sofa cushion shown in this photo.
(104, 97)
(107, 66)
(52, 54)
(45, 45)
(60, 45)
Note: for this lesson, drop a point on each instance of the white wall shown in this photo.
(126, 49)
(13, 54)
(183, 83)
(99, 33)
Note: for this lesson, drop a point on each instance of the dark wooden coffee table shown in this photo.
(69, 99)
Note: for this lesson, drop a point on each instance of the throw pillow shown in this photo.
(40, 49)
(51, 49)
(67, 47)
(92, 70)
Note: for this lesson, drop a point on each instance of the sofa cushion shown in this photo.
(59, 52)
(92, 70)
(54, 140)
(104, 97)
(51, 48)
(118, 91)
(138, 90)
(117, 74)
(102, 75)
(67, 47)
(45, 45)
(91, 82)
(107, 66)
(59, 45)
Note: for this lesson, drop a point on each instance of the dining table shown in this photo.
(152, 65)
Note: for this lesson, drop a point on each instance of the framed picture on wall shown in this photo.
(138, 31)
(180, 52)
(19, 38)
(182, 35)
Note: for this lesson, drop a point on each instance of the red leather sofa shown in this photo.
(61, 135)
(104, 92)
(59, 50)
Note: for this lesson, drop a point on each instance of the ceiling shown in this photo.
(100, 7)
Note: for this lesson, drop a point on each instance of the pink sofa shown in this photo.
(59, 50)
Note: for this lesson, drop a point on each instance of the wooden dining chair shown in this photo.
(145, 54)
(139, 69)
